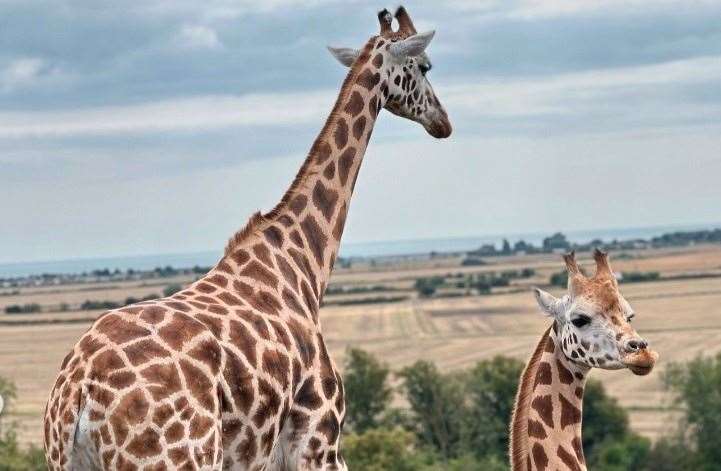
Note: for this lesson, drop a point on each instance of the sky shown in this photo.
(159, 126)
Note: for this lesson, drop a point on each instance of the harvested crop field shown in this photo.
(680, 317)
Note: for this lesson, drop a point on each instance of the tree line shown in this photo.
(458, 421)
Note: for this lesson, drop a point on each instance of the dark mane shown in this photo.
(518, 449)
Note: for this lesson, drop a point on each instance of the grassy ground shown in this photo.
(681, 318)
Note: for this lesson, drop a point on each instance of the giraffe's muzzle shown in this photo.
(440, 129)
(641, 361)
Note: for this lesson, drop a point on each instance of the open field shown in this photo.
(681, 319)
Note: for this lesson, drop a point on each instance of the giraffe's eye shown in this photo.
(581, 321)
(630, 317)
(425, 68)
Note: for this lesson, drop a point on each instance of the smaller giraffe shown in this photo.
(591, 328)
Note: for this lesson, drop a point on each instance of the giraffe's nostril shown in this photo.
(636, 345)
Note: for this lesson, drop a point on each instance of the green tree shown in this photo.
(697, 385)
(12, 456)
(670, 454)
(603, 419)
(437, 407)
(470, 462)
(491, 388)
(385, 450)
(621, 454)
(367, 392)
(608, 441)
(8, 393)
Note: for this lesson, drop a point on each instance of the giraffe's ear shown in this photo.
(412, 46)
(549, 304)
(345, 55)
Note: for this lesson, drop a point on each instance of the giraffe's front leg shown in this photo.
(320, 448)
(311, 434)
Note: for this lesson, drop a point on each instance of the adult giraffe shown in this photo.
(233, 371)
(591, 328)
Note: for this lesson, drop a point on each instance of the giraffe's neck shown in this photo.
(546, 425)
(307, 224)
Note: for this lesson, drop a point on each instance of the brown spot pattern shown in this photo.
(570, 414)
(544, 406)
(358, 127)
(325, 199)
(345, 162)
(355, 104)
(317, 240)
(340, 135)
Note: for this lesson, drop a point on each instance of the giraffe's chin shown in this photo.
(440, 130)
(640, 370)
(642, 362)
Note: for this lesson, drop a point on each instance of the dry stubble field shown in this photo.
(680, 318)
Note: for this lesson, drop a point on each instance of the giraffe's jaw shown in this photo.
(439, 127)
(641, 363)
(440, 130)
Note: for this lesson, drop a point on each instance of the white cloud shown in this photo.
(185, 114)
(212, 10)
(537, 9)
(199, 37)
(575, 92)
(21, 72)
(582, 94)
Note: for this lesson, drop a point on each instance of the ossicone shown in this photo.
(571, 264)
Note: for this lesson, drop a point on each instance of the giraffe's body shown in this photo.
(233, 371)
(591, 328)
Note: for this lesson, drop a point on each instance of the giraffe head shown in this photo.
(405, 66)
(593, 320)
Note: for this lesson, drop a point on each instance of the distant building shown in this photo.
(487, 249)
(556, 243)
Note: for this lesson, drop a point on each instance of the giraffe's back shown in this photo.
(205, 377)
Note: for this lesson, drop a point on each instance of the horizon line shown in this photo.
(707, 226)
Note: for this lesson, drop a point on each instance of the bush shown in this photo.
(639, 276)
(472, 261)
(172, 289)
(471, 463)
(12, 457)
(426, 287)
(670, 454)
(360, 301)
(559, 279)
(368, 395)
(90, 305)
(131, 300)
(385, 450)
(697, 385)
(491, 388)
(23, 309)
(620, 454)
